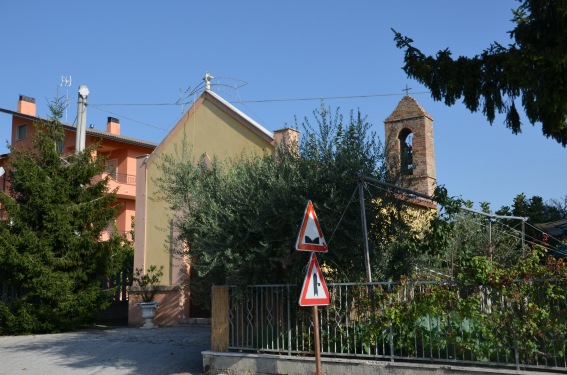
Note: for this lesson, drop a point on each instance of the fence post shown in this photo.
(219, 319)
(390, 329)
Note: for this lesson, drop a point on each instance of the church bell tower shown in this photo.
(410, 154)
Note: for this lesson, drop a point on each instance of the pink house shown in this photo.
(121, 153)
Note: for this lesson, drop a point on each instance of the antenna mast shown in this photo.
(207, 80)
(67, 83)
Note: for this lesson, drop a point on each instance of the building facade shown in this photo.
(120, 153)
(211, 128)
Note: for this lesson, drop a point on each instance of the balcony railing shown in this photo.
(123, 178)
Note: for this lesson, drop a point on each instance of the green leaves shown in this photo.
(533, 69)
(147, 281)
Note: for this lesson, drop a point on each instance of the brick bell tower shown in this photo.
(410, 154)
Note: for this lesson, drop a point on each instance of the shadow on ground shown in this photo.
(173, 350)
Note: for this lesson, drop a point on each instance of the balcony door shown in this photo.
(112, 168)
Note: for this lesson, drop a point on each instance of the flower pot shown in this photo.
(148, 312)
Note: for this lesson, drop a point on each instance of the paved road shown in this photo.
(114, 351)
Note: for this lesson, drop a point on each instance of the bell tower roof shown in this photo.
(407, 108)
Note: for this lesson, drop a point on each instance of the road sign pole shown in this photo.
(316, 341)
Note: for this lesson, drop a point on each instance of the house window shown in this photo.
(22, 132)
(112, 168)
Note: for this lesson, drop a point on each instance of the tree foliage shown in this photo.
(537, 211)
(533, 68)
(51, 255)
(486, 313)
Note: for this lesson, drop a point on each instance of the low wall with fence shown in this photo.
(380, 321)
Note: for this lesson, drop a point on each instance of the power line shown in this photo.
(128, 118)
(344, 212)
(326, 98)
(198, 87)
(547, 234)
(264, 100)
(131, 104)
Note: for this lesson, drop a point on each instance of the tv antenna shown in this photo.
(65, 82)
(226, 85)
(229, 84)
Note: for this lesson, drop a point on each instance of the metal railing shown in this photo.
(121, 178)
(120, 283)
(268, 318)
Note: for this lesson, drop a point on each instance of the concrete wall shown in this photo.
(215, 363)
(166, 314)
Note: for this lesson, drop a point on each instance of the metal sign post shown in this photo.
(316, 341)
(314, 292)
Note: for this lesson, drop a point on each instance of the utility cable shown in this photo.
(548, 234)
(327, 98)
(128, 118)
(528, 239)
(337, 226)
(260, 100)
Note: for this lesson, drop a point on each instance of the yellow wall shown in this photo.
(208, 130)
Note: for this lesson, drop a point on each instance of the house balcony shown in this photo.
(106, 234)
(124, 183)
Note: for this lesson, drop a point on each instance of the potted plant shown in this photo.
(147, 284)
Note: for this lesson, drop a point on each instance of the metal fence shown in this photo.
(120, 283)
(360, 322)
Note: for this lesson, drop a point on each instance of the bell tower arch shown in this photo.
(410, 153)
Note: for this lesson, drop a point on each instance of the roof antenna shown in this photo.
(207, 80)
(66, 82)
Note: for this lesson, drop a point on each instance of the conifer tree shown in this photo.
(533, 68)
(50, 248)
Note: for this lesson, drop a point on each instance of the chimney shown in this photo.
(26, 105)
(113, 126)
(287, 137)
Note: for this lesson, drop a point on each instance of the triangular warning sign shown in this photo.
(310, 236)
(314, 291)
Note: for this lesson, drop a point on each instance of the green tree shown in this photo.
(537, 211)
(559, 204)
(456, 236)
(533, 68)
(50, 248)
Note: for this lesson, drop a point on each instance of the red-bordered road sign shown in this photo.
(310, 236)
(314, 291)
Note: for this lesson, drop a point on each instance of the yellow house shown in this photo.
(212, 127)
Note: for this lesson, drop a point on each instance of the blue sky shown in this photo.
(148, 52)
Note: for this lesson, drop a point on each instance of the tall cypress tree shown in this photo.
(50, 248)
